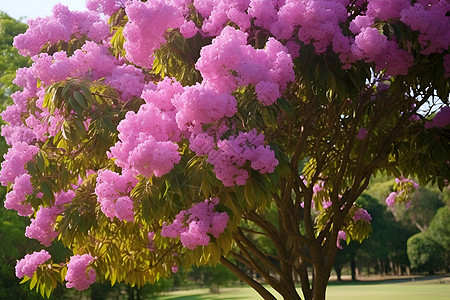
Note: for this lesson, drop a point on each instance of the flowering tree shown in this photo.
(169, 134)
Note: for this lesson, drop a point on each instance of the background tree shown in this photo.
(424, 253)
(439, 231)
(10, 59)
(429, 250)
(123, 129)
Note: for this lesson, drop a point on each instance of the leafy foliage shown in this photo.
(10, 60)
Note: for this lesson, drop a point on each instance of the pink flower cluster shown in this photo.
(15, 159)
(363, 215)
(402, 182)
(27, 266)
(144, 31)
(113, 191)
(234, 153)
(390, 200)
(194, 225)
(230, 62)
(405, 187)
(92, 61)
(148, 138)
(60, 27)
(430, 18)
(78, 275)
(386, 9)
(440, 120)
(107, 7)
(318, 22)
(200, 104)
(218, 13)
(145, 144)
(128, 80)
(372, 46)
(201, 144)
(15, 198)
(42, 226)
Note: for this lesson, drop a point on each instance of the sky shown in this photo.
(30, 9)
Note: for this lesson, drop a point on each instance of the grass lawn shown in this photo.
(437, 289)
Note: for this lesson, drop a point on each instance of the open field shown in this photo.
(434, 289)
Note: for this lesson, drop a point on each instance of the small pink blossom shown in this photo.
(27, 266)
(174, 269)
(390, 200)
(341, 236)
(363, 215)
(362, 133)
(78, 275)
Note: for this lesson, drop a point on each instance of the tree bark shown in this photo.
(353, 266)
(338, 269)
(320, 282)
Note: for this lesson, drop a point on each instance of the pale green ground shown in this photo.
(420, 290)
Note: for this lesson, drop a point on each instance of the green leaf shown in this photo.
(75, 106)
(25, 279)
(215, 253)
(47, 190)
(80, 99)
(206, 188)
(33, 281)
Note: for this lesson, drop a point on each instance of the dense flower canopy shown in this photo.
(112, 112)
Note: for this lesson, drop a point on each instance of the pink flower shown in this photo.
(60, 26)
(151, 242)
(390, 200)
(232, 154)
(110, 189)
(78, 275)
(362, 214)
(42, 227)
(128, 80)
(188, 29)
(194, 225)
(15, 199)
(362, 133)
(144, 31)
(440, 120)
(108, 7)
(174, 269)
(15, 159)
(28, 265)
(341, 236)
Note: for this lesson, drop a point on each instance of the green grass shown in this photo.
(419, 290)
(389, 291)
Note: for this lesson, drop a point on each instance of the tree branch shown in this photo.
(247, 279)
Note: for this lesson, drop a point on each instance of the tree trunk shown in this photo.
(320, 282)
(338, 269)
(353, 266)
(289, 291)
